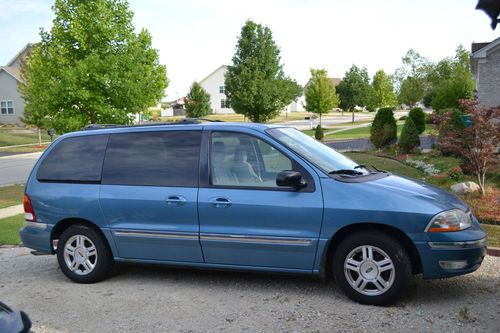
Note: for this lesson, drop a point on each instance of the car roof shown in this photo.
(151, 127)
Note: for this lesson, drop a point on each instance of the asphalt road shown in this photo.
(15, 169)
(161, 299)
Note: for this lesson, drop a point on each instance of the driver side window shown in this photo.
(238, 159)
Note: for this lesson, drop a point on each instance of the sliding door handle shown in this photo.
(176, 200)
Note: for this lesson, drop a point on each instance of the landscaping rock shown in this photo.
(467, 187)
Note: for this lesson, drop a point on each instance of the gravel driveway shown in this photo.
(154, 299)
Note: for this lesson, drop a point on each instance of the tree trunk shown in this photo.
(320, 121)
(39, 137)
(352, 115)
(480, 178)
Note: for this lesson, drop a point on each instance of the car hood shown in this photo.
(418, 190)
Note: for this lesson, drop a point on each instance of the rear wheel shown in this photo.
(372, 268)
(84, 255)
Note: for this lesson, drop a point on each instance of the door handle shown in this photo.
(176, 200)
(219, 203)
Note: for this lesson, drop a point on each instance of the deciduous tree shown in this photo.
(354, 89)
(383, 91)
(478, 143)
(256, 85)
(91, 67)
(320, 93)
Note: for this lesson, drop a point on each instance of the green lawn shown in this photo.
(11, 137)
(386, 164)
(9, 230)
(11, 195)
(493, 232)
(361, 132)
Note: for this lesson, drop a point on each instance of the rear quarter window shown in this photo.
(76, 159)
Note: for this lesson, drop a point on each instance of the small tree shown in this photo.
(409, 139)
(197, 103)
(319, 134)
(417, 115)
(383, 91)
(383, 130)
(477, 144)
(320, 93)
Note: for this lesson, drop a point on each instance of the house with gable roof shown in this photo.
(11, 101)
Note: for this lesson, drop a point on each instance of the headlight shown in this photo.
(450, 220)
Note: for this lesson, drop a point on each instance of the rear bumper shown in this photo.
(446, 259)
(36, 236)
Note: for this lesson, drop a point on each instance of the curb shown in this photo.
(493, 251)
(21, 155)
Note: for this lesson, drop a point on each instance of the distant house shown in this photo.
(485, 68)
(11, 102)
(300, 102)
(214, 85)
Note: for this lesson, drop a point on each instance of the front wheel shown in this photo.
(372, 268)
(84, 255)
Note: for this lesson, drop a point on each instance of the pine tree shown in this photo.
(197, 102)
(409, 139)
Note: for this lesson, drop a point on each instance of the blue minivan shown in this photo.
(241, 196)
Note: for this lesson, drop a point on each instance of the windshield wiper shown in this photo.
(361, 166)
(346, 172)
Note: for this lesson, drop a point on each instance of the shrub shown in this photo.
(383, 130)
(418, 117)
(456, 173)
(450, 120)
(403, 117)
(409, 139)
(319, 134)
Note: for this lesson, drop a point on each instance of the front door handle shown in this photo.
(176, 200)
(219, 203)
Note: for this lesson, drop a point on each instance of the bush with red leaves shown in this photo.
(477, 145)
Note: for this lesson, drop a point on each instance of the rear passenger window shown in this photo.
(76, 159)
(167, 158)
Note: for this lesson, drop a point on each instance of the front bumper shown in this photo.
(36, 236)
(446, 259)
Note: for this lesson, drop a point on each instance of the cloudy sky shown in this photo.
(194, 37)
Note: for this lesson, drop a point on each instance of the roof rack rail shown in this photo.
(182, 121)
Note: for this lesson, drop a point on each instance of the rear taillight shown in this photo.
(29, 212)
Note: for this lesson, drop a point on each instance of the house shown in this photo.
(300, 102)
(214, 86)
(11, 101)
(485, 68)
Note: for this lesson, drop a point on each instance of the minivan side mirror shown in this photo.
(290, 178)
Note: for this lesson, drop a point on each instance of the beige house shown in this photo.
(11, 102)
(485, 68)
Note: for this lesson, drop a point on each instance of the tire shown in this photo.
(83, 255)
(372, 267)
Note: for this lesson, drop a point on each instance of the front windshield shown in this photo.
(315, 152)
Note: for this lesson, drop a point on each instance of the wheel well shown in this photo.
(62, 225)
(346, 231)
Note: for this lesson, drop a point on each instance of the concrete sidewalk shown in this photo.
(11, 211)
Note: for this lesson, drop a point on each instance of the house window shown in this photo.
(6, 107)
(224, 104)
(222, 89)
